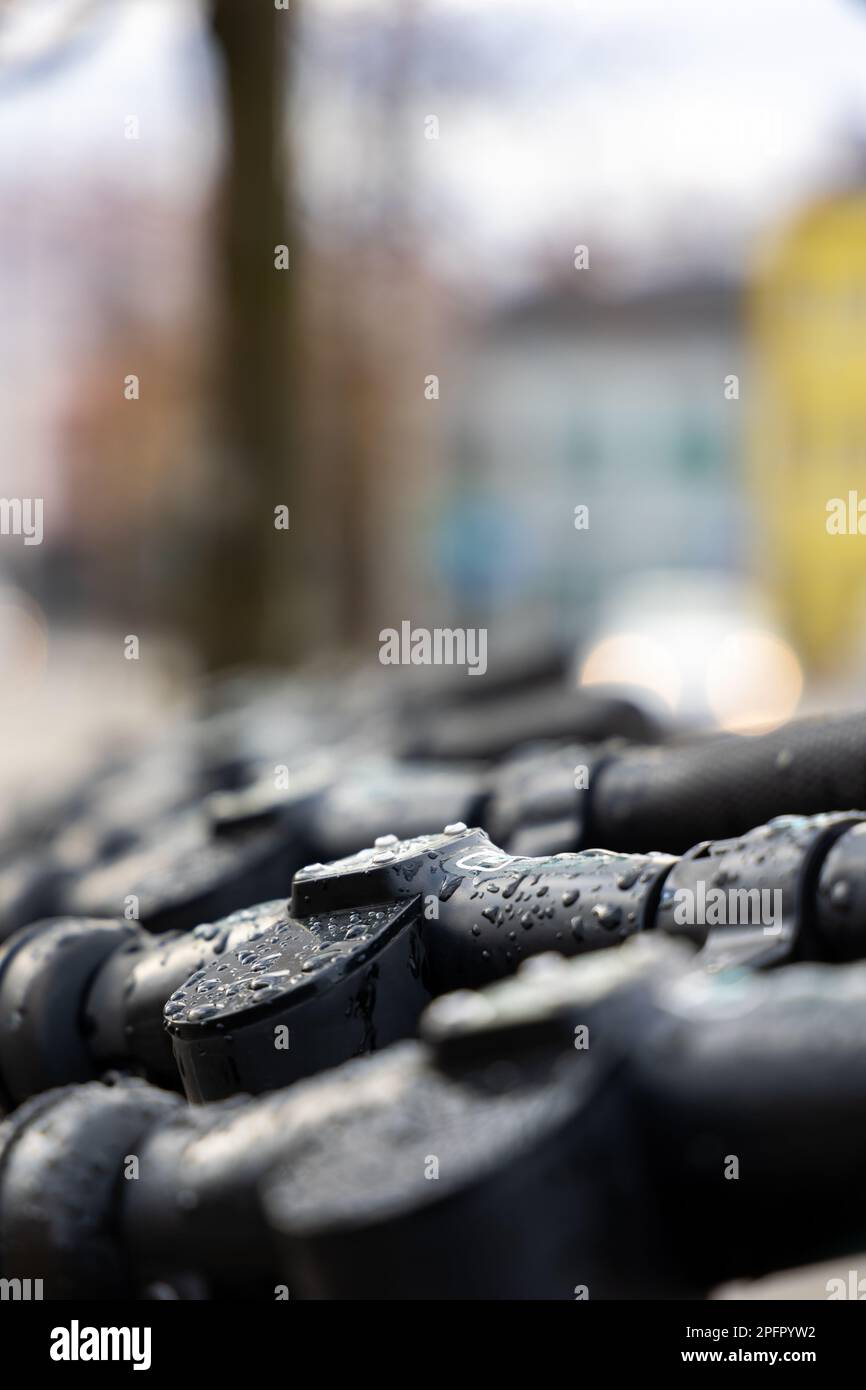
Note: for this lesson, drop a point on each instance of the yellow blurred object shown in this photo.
(808, 446)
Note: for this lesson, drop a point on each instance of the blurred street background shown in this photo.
(571, 346)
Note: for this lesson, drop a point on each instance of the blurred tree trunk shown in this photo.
(248, 608)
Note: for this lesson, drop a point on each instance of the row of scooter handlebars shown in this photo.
(300, 1001)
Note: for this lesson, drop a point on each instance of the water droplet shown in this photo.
(449, 887)
(840, 893)
(511, 888)
(607, 917)
(264, 961)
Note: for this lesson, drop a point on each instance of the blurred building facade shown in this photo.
(613, 403)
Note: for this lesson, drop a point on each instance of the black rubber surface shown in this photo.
(668, 798)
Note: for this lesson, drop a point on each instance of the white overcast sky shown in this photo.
(633, 115)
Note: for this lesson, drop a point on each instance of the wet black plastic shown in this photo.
(63, 1174)
(496, 727)
(191, 870)
(270, 995)
(79, 997)
(567, 1133)
(45, 972)
(613, 1173)
(838, 931)
(470, 914)
(758, 892)
(373, 937)
(311, 994)
(720, 787)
